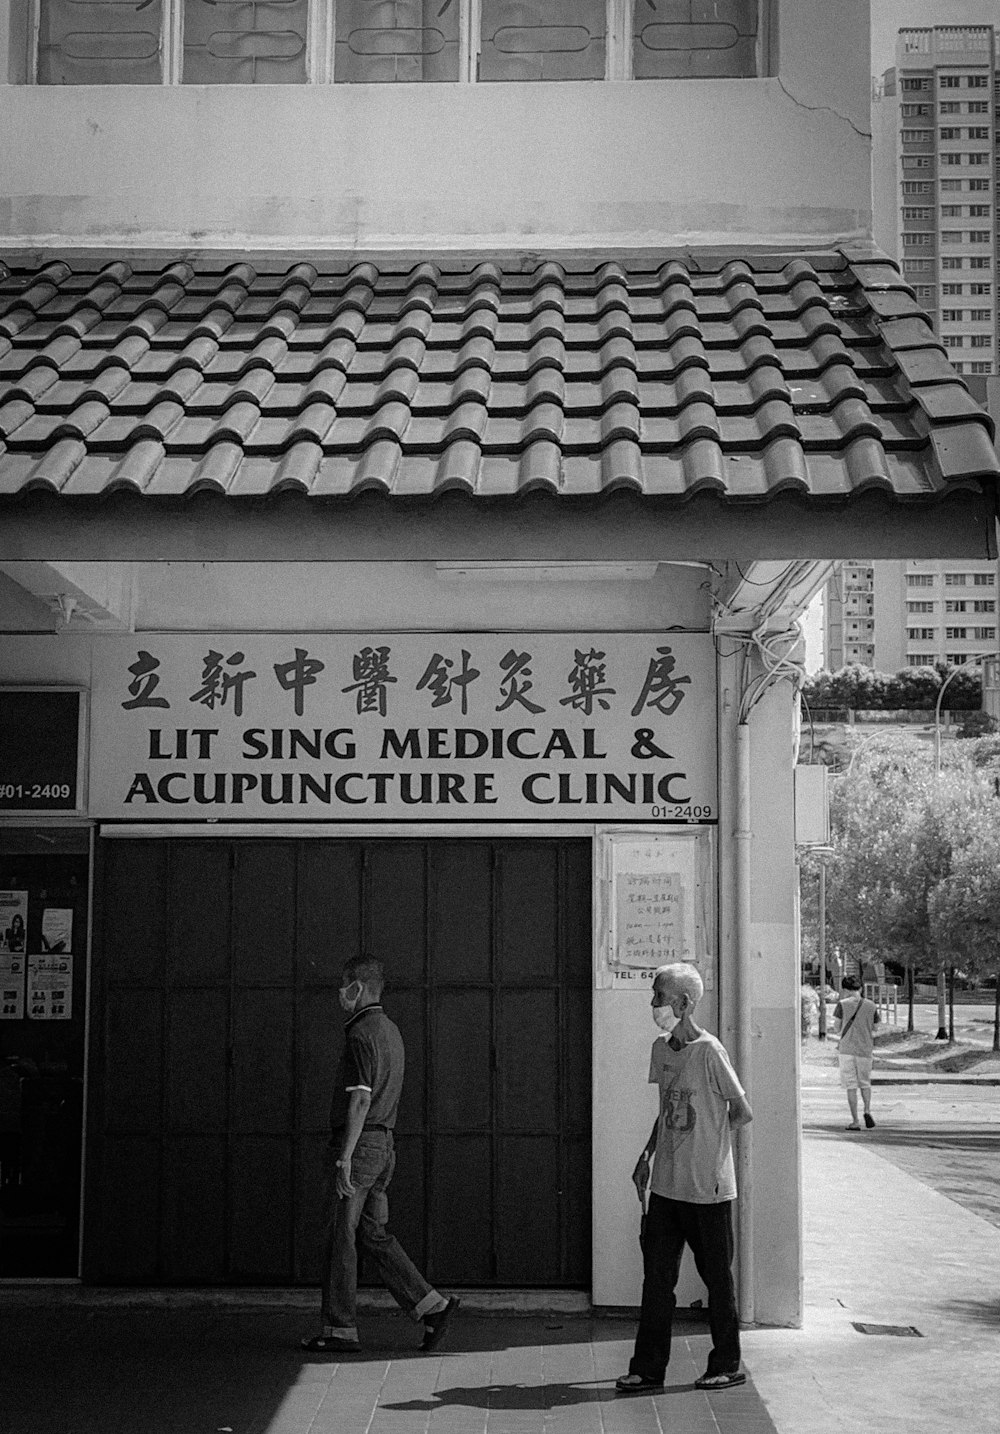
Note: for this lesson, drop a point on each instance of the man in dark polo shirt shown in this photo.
(362, 1118)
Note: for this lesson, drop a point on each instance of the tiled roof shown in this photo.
(743, 377)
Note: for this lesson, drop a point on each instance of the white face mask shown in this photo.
(665, 1018)
(346, 1002)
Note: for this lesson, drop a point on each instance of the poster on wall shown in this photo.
(657, 905)
(57, 929)
(13, 921)
(11, 986)
(430, 726)
(50, 987)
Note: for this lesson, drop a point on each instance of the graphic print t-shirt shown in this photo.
(694, 1153)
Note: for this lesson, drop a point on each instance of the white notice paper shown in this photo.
(50, 987)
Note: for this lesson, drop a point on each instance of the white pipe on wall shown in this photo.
(744, 1002)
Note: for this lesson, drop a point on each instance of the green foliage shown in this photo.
(914, 872)
(977, 724)
(861, 689)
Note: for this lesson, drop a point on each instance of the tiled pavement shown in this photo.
(78, 1370)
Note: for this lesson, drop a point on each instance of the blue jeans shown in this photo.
(708, 1229)
(362, 1219)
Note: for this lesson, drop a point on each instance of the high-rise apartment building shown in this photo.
(935, 168)
(935, 115)
(916, 612)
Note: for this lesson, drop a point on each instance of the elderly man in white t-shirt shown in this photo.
(692, 1185)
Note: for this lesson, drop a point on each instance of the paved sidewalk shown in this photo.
(884, 1248)
(115, 1370)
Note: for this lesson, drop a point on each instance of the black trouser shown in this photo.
(708, 1229)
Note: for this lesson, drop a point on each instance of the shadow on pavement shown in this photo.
(974, 1138)
(512, 1397)
(975, 1311)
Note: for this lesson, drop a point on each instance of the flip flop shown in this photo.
(852, 1127)
(331, 1344)
(721, 1381)
(638, 1384)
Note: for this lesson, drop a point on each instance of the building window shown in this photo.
(979, 211)
(980, 366)
(947, 107)
(916, 186)
(917, 239)
(978, 156)
(381, 42)
(105, 42)
(952, 316)
(919, 580)
(921, 606)
(952, 341)
(980, 263)
(951, 288)
(977, 186)
(980, 288)
(959, 367)
(923, 291)
(984, 634)
(921, 659)
(951, 236)
(949, 159)
(912, 111)
(955, 580)
(977, 82)
(955, 606)
(912, 85)
(951, 263)
(981, 341)
(979, 236)
(917, 161)
(984, 580)
(950, 211)
(951, 186)
(956, 634)
(921, 634)
(978, 107)
(84, 42)
(984, 605)
(947, 132)
(258, 43)
(979, 131)
(948, 82)
(566, 40)
(916, 213)
(980, 316)
(917, 266)
(676, 42)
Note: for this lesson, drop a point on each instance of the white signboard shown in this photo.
(657, 903)
(438, 726)
(50, 988)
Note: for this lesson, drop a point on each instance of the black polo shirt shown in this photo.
(373, 1060)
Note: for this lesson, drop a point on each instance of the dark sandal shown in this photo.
(331, 1344)
(638, 1384)
(720, 1381)
(437, 1324)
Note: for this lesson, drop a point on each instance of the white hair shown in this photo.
(682, 977)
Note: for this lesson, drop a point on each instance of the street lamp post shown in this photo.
(971, 662)
(942, 1034)
(822, 852)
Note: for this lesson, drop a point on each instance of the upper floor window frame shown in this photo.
(320, 43)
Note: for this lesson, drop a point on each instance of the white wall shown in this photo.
(341, 167)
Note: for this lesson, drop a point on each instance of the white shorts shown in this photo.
(855, 1071)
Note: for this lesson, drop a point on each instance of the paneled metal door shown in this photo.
(217, 1031)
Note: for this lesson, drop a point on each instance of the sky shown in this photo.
(888, 16)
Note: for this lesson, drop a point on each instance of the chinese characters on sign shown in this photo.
(506, 726)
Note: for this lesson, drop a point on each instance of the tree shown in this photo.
(964, 908)
(893, 827)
